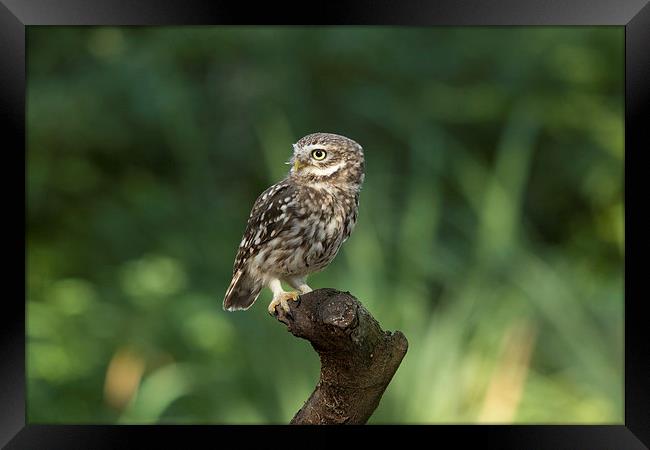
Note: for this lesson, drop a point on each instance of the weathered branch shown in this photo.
(358, 359)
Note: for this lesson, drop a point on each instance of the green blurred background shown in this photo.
(490, 228)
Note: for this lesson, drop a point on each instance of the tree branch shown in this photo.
(358, 359)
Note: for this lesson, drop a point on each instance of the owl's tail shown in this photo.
(242, 292)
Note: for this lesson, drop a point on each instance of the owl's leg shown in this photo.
(280, 296)
(299, 283)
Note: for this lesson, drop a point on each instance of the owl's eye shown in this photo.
(319, 154)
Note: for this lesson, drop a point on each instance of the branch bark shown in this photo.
(358, 359)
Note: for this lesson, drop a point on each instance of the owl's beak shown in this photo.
(297, 165)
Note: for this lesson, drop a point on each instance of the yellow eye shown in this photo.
(319, 154)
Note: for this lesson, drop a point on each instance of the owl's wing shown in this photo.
(270, 214)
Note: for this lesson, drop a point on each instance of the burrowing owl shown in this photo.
(297, 226)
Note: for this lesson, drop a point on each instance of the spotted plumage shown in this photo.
(297, 226)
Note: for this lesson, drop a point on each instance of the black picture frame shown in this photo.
(633, 15)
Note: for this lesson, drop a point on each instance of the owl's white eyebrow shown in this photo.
(313, 147)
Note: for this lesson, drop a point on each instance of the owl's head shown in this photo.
(327, 157)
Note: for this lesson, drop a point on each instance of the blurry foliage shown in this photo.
(490, 229)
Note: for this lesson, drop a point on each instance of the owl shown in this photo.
(297, 226)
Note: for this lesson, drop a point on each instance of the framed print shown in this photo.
(433, 200)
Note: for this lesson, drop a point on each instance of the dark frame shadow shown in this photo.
(633, 15)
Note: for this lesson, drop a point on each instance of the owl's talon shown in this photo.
(282, 301)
